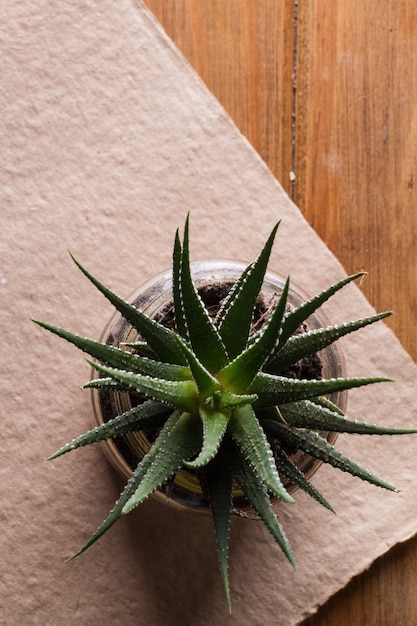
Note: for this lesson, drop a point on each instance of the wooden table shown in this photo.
(327, 94)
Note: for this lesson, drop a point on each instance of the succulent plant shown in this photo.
(218, 394)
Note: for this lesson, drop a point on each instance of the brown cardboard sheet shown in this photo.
(108, 140)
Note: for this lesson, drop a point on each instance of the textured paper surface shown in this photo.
(108, 139)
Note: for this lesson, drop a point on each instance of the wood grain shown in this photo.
(240, 50)
(356, 157)
(329, 90)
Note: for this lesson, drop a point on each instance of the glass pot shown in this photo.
(153, 297)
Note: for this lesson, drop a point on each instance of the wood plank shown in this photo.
(356, 131)
(356, 158)
(353, 150)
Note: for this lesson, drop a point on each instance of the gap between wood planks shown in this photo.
(294, 101)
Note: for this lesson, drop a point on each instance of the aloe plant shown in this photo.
(220, 399)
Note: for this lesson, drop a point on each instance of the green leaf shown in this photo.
(307, 414)
(257, 496)
(141, 348)
(318, 447)
(121, 359)
(247, 433)
(272, 390)
(159, 338)
(116, 512)
(179, 439)
(205, 340)
(304, 344)
(105, 384)
(220, 484)
(229, 304)
(180, 321)
(328, 404)
(235, 317)
(234, 401)
(284, 463)
(206, 383)
(214, 427)
(286, 467)
(146, 415)
(179, 394)
(238, 375)
(295, 318)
